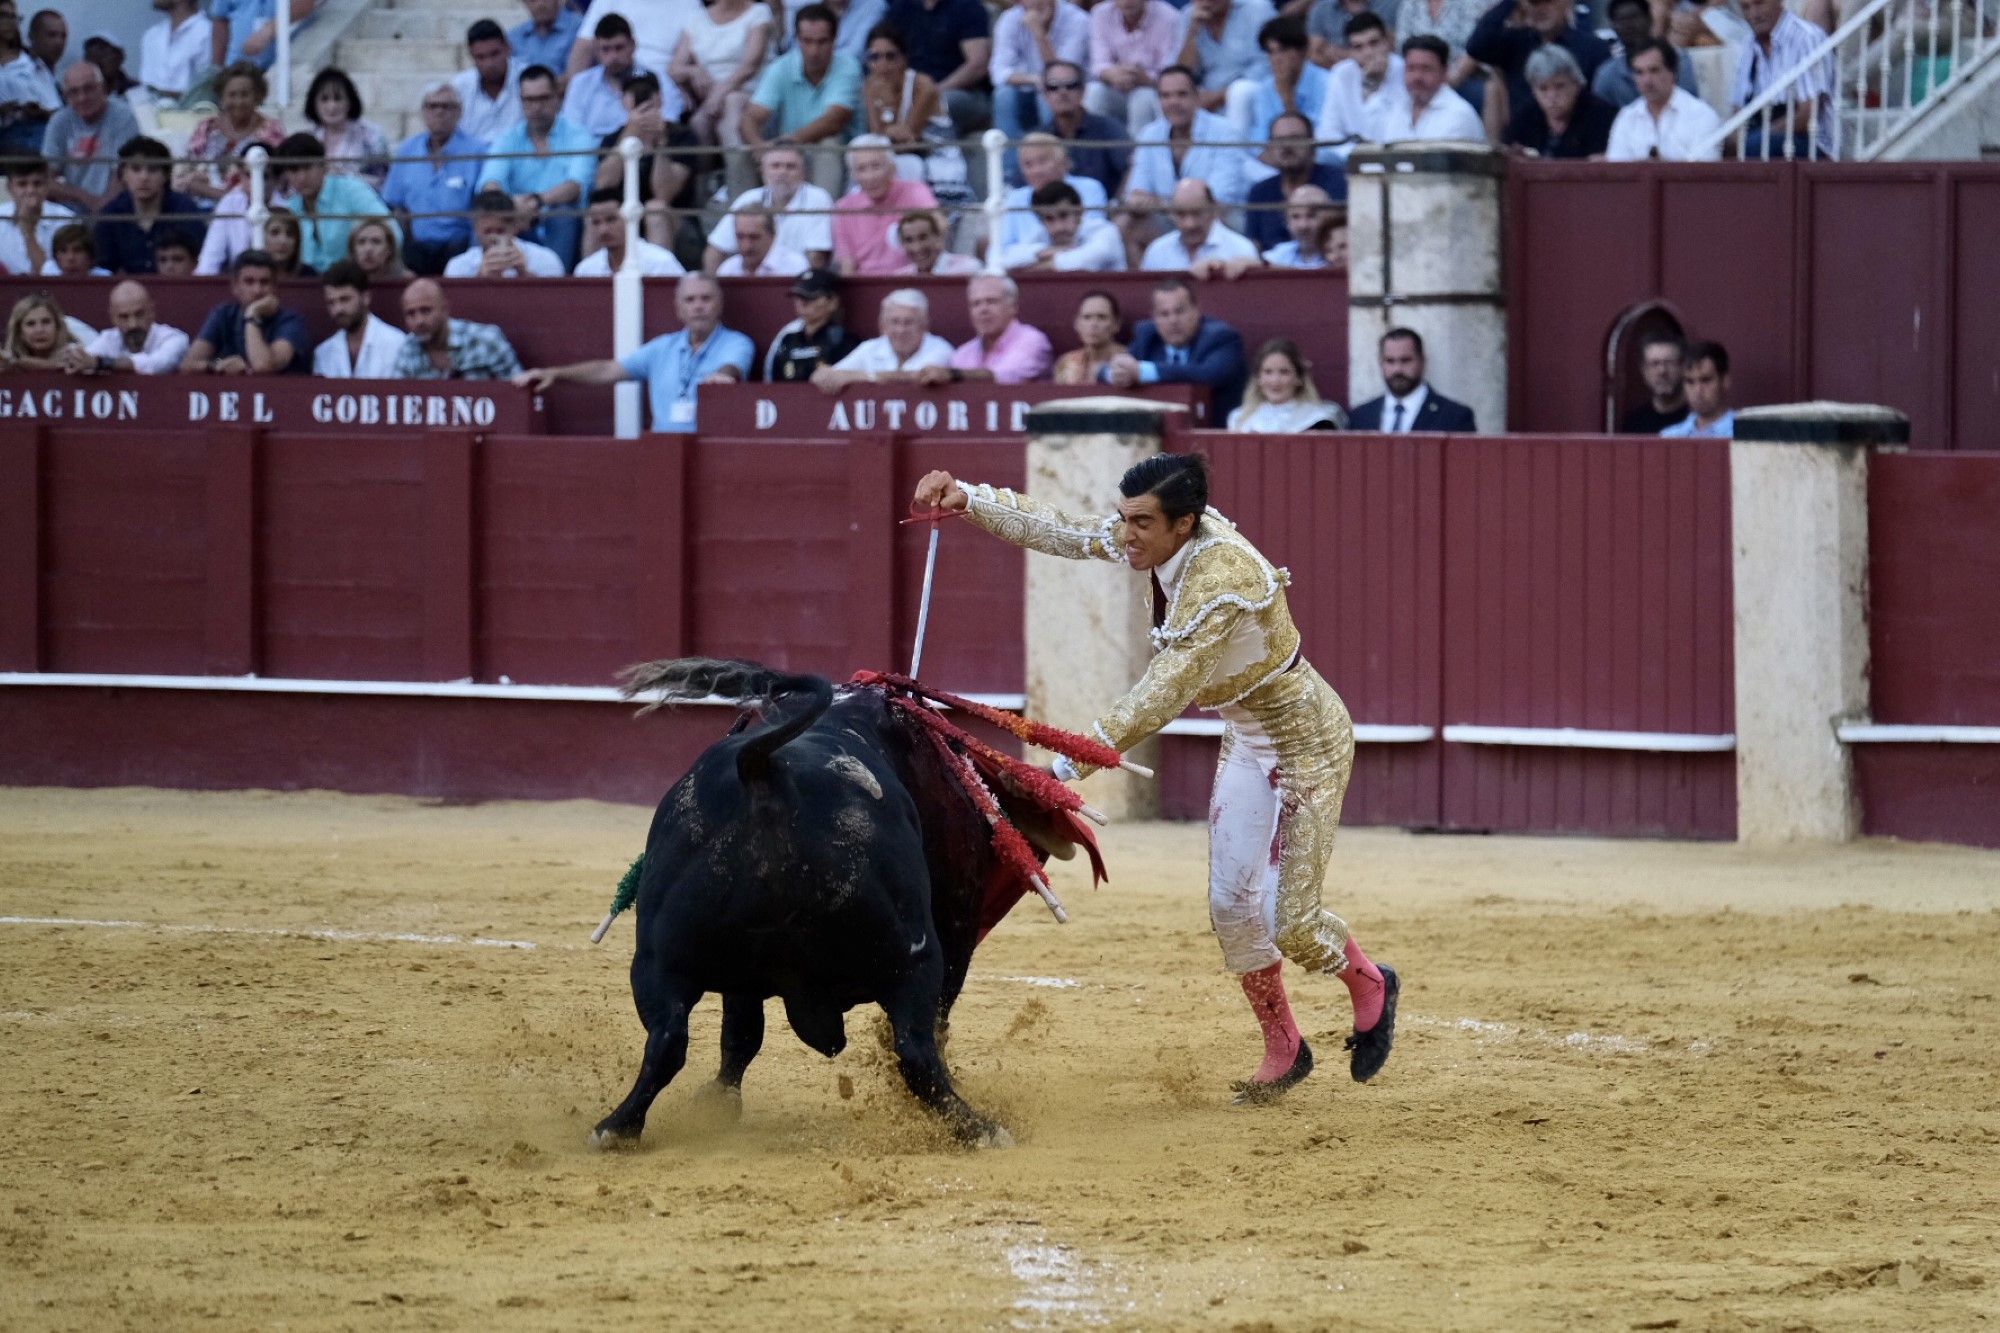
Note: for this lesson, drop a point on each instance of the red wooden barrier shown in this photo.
(801, 412)
(280, 402)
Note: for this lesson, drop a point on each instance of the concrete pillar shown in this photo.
(1798, 491)
(1423, 252)
(1087, 621)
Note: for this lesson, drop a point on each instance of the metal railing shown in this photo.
(1871, 82)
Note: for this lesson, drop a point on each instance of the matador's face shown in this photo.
(1150, 537)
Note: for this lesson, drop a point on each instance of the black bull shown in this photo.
(823, 854)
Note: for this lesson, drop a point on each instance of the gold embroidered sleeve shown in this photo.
(1028, 522)
(1176, 675)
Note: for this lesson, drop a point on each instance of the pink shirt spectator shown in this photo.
(1152, 48)
(864, 232)
(1021, 353)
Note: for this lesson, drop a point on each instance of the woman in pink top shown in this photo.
(864, 218)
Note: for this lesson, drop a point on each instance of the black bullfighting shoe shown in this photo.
(1249, 1092)
(1371, 1048)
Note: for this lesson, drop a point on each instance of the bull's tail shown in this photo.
(685, 679)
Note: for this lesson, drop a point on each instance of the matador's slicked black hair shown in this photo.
(1180, 481)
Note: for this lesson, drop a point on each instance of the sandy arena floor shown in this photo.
(1639, 1085)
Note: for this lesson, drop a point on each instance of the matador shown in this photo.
(1224, 641)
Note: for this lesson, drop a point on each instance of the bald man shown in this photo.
(135, 343)
(442, 348)
(1199, 244)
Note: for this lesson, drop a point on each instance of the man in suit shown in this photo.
(1180, 345)
(1410, 403)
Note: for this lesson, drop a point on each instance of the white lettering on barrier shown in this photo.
(767, 414)
(926, 415)
(894, 408)
(78, 405)
(956, 416)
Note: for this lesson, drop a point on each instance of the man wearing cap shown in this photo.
(816, 338)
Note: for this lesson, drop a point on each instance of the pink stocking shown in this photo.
(1364, 986)
(1266, 993)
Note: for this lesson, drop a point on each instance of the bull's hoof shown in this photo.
(608, 1137)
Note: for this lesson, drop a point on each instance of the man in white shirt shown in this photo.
(135, 341)
(364, 345)
(1306, 212)
(1199, 244)
(490, 91)
(1361, 89)
(804, 212)
(758, 254)
(1043, 160)
(604, 239)
(1432, 111)
(656, 26)
(595, 97)
(906, 345)
(1666, 123)
(174, 53)
(1072, 241)
(497, 248)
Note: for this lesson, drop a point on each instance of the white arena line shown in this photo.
(1609, 1043)
(275, 932)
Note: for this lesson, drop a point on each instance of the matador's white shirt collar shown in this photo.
(1175, 565)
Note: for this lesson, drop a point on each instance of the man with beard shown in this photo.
(1410, 403)
(366, 346)
(135, 342)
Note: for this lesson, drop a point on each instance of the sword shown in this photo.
(932, 517)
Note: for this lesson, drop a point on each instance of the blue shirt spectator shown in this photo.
(1266, 106)
(244, 17)
(124, 245)
(417, 185)
(673, 372)
(1264, 219)
(793, 100)
(533, 45)
(222, 331)
(1225, 168)
(936, 33)
(1020, 226)
(1234, 55)
(1688, 428)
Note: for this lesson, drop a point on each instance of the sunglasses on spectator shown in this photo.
(1069, 87)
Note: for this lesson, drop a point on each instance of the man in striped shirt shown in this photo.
(1803, 123)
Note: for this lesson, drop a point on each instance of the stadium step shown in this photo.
(434, 55)
(422, 25)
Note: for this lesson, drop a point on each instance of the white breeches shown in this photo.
(1243, 850)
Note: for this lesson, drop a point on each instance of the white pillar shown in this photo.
(1423, 252)
(1798, 488)
(628, 300)
(1087, 621)
(994, 144)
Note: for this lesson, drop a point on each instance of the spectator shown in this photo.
(1363, 92)
(1043, 161)
(1706, 383)
(1333, 240)
(807, 96)
(1027, 38)
(758, 255)
(1291, 152)
(951, 41)
(281, 240)
(1804, 122)
(1186, 143)
(655, 25)
(136, 343)
(75, 254)
(1697, 23)
(431, 183)
(174, 252)
(129, 224)
(1132, 43)
(803, 210)
(1632, 21)
(1565, 119)
(1512, 30)
(37, 335)
(229, 232)
(1094, 143)
(326, 204)
(863, 215)
(666, 180)
(246, 30)
(442, 348)
(1326, 27)
(1281, 398)
(897, 102)
(673, 366)
(1451, 21)
(1180, 345)
(1666, 123)
(1409, 403)
(604, 239)
(1002, 350)
(498, 251)
(546, 35)
(816, 338)
(1219, 42)
(544, 164)
(216, 147)
(28, 93)
(376, 250)
(920, 238)
(1096, 325)
(1662, 363)
(1307, 213)
(596, 100)
(716, 63)
(1431, 111)
(905, 347)
(364, 346)
(252, 334)
(354, 147)
(489, 91)
(175, 55)
(28, 221)
(107, 52)
(92, 125)
(1288, 83)
(1199, 244)
(855, 20)
(1071, 240)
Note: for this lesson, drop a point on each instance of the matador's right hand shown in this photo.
(938, 491)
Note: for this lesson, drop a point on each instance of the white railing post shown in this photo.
(258, 159)
(628, 302)
(994, 142)
(281, 60)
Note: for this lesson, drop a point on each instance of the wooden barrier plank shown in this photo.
(229, 624)
(448, 588)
